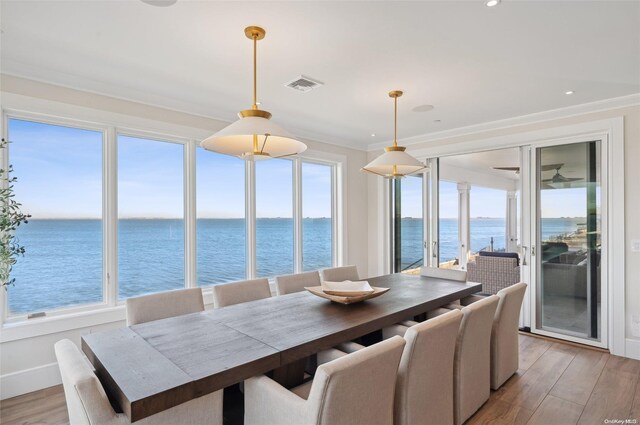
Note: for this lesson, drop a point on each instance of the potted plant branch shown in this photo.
(10, 219)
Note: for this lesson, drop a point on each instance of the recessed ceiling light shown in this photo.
(492, 3)
(437, 120)
(569, 92)
(258, 103)
(422, 108)
(373, 134)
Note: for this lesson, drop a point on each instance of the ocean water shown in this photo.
(63, 263)
(482, 230)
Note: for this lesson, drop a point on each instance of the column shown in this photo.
(464, 225)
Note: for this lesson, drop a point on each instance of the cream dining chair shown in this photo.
(504, 333)
(163, 305)
(438, 273)
(340, 274)
(424, 389)
(87, 402)
(357, 389)
(471, 373)
(240, 292)
(291, 283)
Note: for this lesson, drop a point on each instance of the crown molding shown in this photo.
(552, 114)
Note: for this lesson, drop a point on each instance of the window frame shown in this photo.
(111, 309)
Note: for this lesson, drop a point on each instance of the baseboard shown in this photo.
(29, 380)
(632, 348)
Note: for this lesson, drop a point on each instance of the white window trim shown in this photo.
(113, 124)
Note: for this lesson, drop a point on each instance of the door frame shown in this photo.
(533, 213)
(613, 128)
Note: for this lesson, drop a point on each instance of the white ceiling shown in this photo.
(473, 63)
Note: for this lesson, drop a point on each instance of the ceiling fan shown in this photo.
(559, 178)
(517, 169)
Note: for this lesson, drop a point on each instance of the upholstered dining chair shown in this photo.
(291, 283)
(163, 305)
(424, 389)
(240, 292)
(340, 274)
(355, 389)
(472, 360)
(504, 333)
(88, 404)
(451, 274)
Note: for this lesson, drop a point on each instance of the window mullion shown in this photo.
(297, 215)
(190, 243)
(250, 218)
(110, 216)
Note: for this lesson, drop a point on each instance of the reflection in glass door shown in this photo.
(569, 240)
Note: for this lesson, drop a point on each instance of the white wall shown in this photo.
(27, 361)
(631, 116)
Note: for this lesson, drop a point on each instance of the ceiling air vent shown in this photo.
(303, 84)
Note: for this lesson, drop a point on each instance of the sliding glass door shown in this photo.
(569, 241)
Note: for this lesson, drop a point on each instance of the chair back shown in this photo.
(291, 283)
(438, 273)
(472, 358)
(240, 292)
(340, 274)
(424, 391)
(504, 335)
(164, 304)
(357, 388)
(87, 401)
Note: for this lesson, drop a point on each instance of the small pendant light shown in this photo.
(394, 162)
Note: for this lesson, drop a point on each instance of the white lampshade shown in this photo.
(237, 139)
(394, 163)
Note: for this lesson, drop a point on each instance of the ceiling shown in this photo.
(473, 63)
(485, 161)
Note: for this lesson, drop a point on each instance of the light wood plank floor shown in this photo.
(557, 383)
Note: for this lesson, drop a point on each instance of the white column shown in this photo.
(511, 223)
(464, 225)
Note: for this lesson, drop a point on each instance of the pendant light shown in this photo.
(253, 137)
(394, 162)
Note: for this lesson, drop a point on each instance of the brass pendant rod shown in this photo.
(255, 71)
(395, 121)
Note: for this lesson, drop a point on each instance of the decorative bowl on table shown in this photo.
(347, 292)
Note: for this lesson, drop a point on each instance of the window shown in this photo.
(59, 171)
(274, 217)
(117, 215)
(150, 216)
(408, 224)
(220, 229)
(317, 204)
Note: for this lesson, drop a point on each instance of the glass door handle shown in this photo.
(434, 244)
(524, 256)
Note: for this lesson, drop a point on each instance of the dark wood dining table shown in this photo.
(151, 367)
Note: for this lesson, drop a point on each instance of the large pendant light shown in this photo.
(394, 162)
(253, 136)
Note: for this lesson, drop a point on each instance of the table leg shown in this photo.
(290, 375)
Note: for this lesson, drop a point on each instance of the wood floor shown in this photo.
(557, 383)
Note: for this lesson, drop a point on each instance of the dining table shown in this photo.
(154, 366)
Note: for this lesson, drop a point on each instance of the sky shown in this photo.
(59, 172)
(487, 202)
